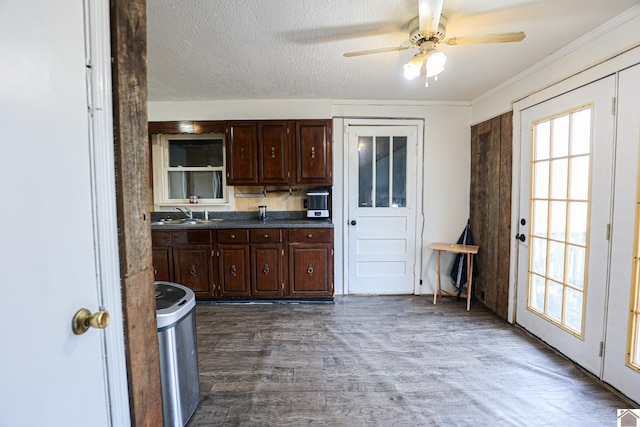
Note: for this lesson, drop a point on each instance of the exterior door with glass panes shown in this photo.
(189, 169)
(565, 199)
(382, 193)
(622, 346)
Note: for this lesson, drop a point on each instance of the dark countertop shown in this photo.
(247, 223)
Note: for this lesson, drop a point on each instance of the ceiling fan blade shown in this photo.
(486, 38)
(429, 12)
(372, 51)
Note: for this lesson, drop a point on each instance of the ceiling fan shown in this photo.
(426, 31)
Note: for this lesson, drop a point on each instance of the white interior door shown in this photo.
(382, 194)
(565, 199)
(617, 371)
(48, 257)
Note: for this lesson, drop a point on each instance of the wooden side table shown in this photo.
(470, 251)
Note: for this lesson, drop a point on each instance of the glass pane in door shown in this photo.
(399, 195)
(365, 171)
(382, 171)
(560, 168)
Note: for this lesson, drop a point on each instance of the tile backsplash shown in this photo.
(278, 199)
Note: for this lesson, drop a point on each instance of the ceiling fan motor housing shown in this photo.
(417, 38)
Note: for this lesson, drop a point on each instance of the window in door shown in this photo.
(560, 196)
(633, 346)
(189, 165)
(382, 177)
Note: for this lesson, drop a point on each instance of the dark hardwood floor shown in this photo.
(385, 361)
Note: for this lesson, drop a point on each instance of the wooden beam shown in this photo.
(129, 79)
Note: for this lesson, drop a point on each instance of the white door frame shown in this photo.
(419, 123)
(104, 205)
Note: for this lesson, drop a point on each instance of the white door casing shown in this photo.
(382, 242)
(585, 351)
(59, 251)
(615, 371)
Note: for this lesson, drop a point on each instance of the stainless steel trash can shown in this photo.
(175, 312)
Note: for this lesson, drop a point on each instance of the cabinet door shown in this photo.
(192, 266)
(273, 153)
(267, 269)
(241, 146)
(162, 263)
(233, 268)
(311, 269)
(313, 152)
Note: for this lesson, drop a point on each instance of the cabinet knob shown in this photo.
(193, 271)
(155, 272)
(266, 236)
(233, 270)
(310, 270)
(266, 270)
(233, 236)
(309, 236)
(313, 152)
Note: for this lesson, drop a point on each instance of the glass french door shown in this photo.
(565, 199)
(622, 346)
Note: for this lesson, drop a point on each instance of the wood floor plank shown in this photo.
(385, 361)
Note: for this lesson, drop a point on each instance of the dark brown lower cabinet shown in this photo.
(162, 263)
(311, 269)
(267, 269)
(310, 262)
(233, 265)
(247, 263)
(184, 257)
(193, 268)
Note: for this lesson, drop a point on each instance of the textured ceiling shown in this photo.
(284, 49)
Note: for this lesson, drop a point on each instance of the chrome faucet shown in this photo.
(186, 212)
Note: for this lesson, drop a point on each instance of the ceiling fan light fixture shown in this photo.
(413, 68)
(435, 64)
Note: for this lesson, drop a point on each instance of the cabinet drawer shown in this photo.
(160, 238)
(192, 237)
(266, 235)
(233, 236)
(310, 235)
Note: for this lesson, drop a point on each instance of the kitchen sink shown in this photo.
(185, 221)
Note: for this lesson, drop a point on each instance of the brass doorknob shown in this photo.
(83, 320)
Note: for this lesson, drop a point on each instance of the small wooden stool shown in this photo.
(470, 251)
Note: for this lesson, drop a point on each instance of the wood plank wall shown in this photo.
(490, 209)
(129, 80)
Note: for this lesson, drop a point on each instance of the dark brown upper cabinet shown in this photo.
(313, 159)
(274, 155)
(241, 153)
(268, 152)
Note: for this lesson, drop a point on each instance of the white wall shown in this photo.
(272, 109)
(446, 157)
(609, 40)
